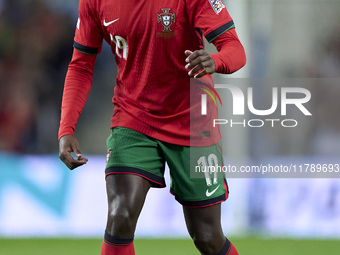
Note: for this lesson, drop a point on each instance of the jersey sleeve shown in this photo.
(77, 87)
(209, 16)
(231, 55)
(88, 37)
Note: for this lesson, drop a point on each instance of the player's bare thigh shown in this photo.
(126, 194)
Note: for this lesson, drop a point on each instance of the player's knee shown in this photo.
(121, 222)
(121, 217)
(204, 242)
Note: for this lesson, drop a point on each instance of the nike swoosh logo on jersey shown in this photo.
(109, 23)
(209, 194)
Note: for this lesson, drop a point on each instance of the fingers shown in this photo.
(204, 64)
(68, 144)
(200, 74)
(188, 53)
(193, 55)
(70, 162)
(75, 149)
(200, 63)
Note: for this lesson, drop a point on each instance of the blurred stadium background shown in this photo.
(40, 198)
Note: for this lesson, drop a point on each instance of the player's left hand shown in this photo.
(200, 63)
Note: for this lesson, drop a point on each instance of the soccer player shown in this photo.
(158, 49)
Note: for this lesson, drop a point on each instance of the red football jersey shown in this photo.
(148, 38)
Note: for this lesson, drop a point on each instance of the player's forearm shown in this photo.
(77, 86)
(231, 55)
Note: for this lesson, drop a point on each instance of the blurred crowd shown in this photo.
(35, 49)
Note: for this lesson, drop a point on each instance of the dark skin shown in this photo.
(68, 144)
(200, 63)
(126, 193)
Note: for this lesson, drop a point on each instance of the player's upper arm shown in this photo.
(210, 16)
(88, 37)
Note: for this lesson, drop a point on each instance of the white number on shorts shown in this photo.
(208, 167)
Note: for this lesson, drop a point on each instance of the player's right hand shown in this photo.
(68, 144)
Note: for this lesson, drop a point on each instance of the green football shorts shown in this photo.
(131, 152)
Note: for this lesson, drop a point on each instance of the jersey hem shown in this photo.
(205, 142)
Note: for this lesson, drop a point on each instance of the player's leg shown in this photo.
(126, 195)
(200, 190)
(134, 164)
(204, 226)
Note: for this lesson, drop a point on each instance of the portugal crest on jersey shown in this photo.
(217, 5)
(166, 19)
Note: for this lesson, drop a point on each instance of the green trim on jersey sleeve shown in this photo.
(84, 49)
(233, 26)
(217, 32)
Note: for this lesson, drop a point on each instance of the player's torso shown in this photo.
(148, 38)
